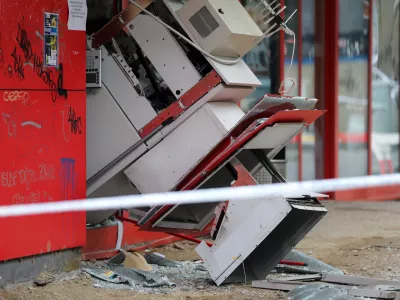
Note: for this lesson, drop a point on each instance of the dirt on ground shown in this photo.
(359, 238)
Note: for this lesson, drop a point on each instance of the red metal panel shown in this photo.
(41, 133)
(182, 104)
(382, 193)
(326, 88)
(43, 160)
(101, 241)
(22, 46)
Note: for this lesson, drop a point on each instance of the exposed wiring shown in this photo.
(267, 34)
(282, 90)
(244, 271)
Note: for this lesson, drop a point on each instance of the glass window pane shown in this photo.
(258, 60)
(292, 72)
(353, 87)
(385, 88)
(307, 84)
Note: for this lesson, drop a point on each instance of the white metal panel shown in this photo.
(138, 109)
(165, 54)
(118, 185)
(232, 93)
(212, 95)
(117, 166)
(238, 74)
(245, 225)
(278, 135)
(109, 132)
(232, 33)
(163, 166)
(224, 114)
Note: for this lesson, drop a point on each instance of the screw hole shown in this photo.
(178, 92)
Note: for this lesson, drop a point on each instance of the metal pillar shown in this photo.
(326, 88)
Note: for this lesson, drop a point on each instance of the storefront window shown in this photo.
(308, 84)
(258, 60)
(353, 87)
(385, 87)
(291, 70)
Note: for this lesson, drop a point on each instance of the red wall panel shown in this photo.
(22, 47)
(42, 128)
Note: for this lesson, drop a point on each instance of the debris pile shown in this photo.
(302, 276)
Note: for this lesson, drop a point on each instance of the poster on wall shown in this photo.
(51, 39)
(77, 15)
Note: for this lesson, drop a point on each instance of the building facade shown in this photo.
(347, 56)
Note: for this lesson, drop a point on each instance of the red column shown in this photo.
(326, 88)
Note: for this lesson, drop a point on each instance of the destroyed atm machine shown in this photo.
(164, 82)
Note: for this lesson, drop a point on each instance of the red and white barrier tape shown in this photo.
(201, 196)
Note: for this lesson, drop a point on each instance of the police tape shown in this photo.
(243, 193)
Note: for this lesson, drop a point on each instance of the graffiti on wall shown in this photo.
(68, 179)
(27, 124)
(37, 165)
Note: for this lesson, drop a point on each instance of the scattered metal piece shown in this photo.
(156, 259)
(147, 279)
(372, 294)
(106, 275)
(356, 280)
(301, 278)
(117, 259)
(319, 291)
(294, 270)
(265, 284)
(312, 263)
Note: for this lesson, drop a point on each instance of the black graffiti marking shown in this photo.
(56, 84)
(76, 122)
(48, 77)
(60, 82)
(18, 64)
(24, 43)
(2, 62)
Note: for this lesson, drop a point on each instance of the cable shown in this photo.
(244, 271)
(282, 91)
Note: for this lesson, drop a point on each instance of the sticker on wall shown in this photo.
(77, 15)
(51, 39)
